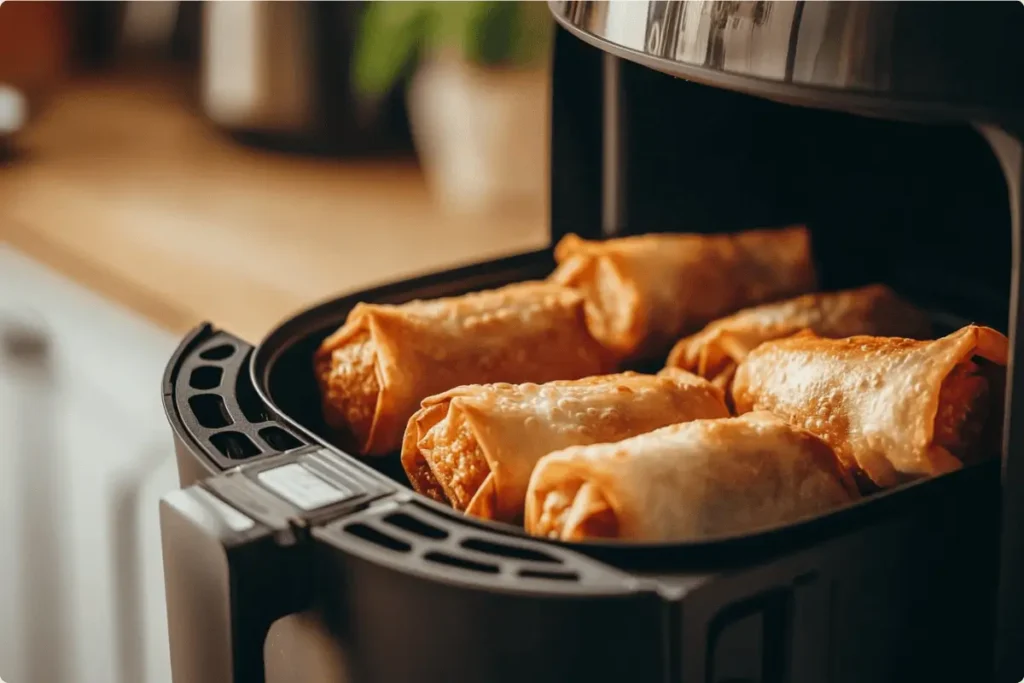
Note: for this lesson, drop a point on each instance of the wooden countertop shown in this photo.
(125, 190)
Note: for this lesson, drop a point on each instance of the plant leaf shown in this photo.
(450, 27)
(393, 33)
(532, 33)
(389, 37)
(512, 33)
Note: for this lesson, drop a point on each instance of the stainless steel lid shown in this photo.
(945, 59)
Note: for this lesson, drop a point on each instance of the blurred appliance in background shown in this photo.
(134, 33)
(277, 74)
(33, 59)
(33, 45)
(96, 29)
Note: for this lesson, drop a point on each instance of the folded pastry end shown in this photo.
(413, 458)
(441, 455)
(346, 369)
(574, 510)
(612, 305)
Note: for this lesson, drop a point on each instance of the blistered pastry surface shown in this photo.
(696, 480)
(524, 332)
(872, 310)
(873, 399)
(592, 406)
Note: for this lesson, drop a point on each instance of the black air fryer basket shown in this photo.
(913, 584)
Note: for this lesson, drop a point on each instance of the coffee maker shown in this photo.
(893, 131)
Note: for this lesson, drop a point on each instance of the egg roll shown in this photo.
(874, 310)
(893, 409)
(474, 447)
(645, 292)
(377, 367)
(687, 482)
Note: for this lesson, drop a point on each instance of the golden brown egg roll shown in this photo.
(375, 369)
(893, 409)
(687, 482)
(474, 447)
(874, 310)
(644, 292)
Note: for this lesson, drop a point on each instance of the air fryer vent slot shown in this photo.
(461, 562)
(209, 411)
(234, 445)
(507, 551)
(219, 352)
(549, 575)
(371, 535)
(415, 525)
(279, 439)
(205, 377)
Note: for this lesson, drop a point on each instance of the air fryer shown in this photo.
(889, 129)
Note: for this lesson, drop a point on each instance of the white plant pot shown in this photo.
(481, 135)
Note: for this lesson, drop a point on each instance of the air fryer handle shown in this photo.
(227, 579)
(218, 419)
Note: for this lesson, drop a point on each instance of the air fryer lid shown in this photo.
(934, 58)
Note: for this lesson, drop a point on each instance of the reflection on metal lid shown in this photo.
(957, 53)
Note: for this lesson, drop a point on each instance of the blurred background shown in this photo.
(166, 163)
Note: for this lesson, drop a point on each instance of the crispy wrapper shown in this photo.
(875, 310)
(893, 409)
(644, 292)
(475, 447)
(375, 369)
(687, 482)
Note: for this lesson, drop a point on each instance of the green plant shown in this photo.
(395, 34)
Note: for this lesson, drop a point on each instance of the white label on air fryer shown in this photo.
(300, 487)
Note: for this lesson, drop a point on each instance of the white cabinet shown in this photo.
(85, 455)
